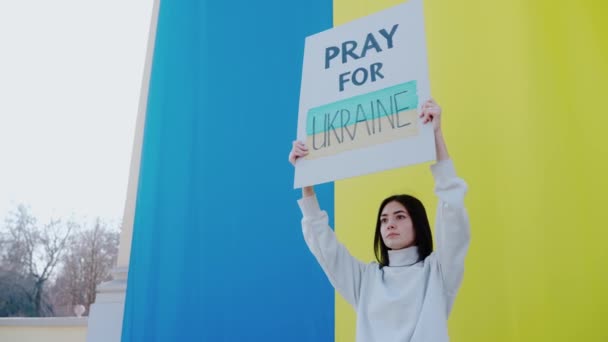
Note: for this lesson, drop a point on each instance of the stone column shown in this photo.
(106, 314)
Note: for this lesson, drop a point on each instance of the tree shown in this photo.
(29, 257)
(90, 256)
(14, 299)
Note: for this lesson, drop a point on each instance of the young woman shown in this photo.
(407, 295)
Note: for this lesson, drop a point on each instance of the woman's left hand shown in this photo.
(431, 112)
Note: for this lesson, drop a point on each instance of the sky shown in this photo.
(70, 81)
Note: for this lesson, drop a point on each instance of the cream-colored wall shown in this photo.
(59, 329)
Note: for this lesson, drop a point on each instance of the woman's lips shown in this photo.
(392, 235)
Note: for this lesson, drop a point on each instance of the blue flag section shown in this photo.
(217, 251)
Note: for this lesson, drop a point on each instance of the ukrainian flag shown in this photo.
(218, 253)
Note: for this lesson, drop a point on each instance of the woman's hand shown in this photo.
(298, 150)
(431, 112)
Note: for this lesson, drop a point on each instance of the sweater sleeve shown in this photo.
(343, 270)
(451, 228)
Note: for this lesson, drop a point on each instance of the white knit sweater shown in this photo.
(406, 301)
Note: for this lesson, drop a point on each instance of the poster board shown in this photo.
(362, 86)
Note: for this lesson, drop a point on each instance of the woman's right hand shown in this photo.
(298, 150)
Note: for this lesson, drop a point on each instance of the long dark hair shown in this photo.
(422, 228)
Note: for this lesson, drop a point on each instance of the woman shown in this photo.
(408, 293)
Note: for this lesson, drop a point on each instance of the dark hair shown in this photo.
(422, 229)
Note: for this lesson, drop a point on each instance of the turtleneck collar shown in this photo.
(403, 257)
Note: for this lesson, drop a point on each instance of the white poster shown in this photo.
(362, 86)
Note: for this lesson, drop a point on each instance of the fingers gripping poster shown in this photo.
(362, 85)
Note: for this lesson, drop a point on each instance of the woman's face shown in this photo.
(396, 226)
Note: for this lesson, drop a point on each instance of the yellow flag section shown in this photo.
(523, 88)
